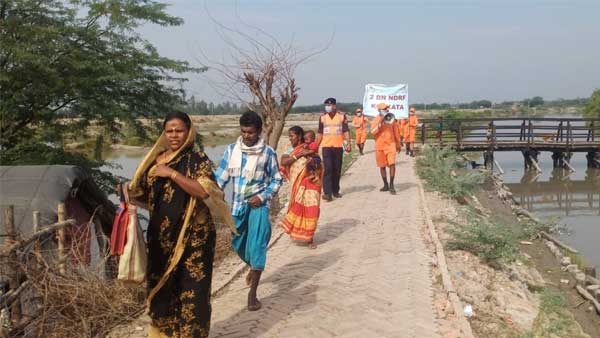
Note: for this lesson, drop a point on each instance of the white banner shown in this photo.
(395, 95)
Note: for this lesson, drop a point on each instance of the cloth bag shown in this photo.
(118, 235)
(134, 259)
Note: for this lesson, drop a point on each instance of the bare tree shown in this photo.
(260, 72)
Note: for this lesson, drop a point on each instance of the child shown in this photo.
(313, 165)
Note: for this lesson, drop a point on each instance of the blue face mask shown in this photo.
(328, 109)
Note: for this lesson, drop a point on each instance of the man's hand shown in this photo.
(255, 201)
(348, 147)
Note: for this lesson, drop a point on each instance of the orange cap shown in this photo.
(382, 106)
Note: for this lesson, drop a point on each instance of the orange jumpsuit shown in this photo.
(360, 123)
(411, 129)
(402, 123)
(387, 142)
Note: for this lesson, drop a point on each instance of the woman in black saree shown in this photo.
(175, 182)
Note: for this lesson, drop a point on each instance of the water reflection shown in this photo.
(560, 195)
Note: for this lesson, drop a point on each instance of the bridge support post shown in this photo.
(488, 159)
(562, 160)
(593, 159)
(531, 159)
(557, 159)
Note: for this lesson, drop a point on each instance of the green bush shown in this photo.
(443, 171)
(492, 241)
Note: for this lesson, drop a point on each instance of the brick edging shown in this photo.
(465, 326)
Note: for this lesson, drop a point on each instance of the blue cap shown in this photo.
(330, 100)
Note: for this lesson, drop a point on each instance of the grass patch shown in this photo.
(348, 159)
(493, 241)
(553, 320)
(444, 172)
(530, 229)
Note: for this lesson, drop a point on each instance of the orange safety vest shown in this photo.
(333, 135)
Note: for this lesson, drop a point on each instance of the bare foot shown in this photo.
(249, 278)
(255, 305)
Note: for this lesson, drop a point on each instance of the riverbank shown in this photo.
(499, 267)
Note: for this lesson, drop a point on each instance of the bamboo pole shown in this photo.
(500, 170)
(568, 165)
(60, 233)
(557, 242)
(535, 164)
(13, 278)
(585, 294)
(35, 236)
(36, 227)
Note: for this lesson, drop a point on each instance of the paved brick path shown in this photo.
(369, 277)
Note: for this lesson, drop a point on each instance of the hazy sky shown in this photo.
(446, 51)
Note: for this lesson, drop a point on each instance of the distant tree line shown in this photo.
(194, 107)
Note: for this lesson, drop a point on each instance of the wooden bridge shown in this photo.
(561, 136)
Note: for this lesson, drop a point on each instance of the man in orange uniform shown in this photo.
(402, 124)
(387, 144)
(360, 124)
(333, 131)
(412, 132)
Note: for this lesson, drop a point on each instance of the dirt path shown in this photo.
(369, 276)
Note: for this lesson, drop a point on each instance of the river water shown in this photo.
(570, 199)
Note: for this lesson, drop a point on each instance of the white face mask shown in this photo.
(358, 114)
(328, 109)
(383, 112)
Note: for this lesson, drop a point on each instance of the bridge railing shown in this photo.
(493, 131)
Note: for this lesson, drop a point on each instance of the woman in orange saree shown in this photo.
(304, 172)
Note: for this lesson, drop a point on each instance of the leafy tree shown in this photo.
(66, 65)
(534, 101)
(592, 107)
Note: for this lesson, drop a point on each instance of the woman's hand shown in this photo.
(161, 170)
(304, 152)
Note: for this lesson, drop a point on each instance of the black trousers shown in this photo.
(332, 165)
